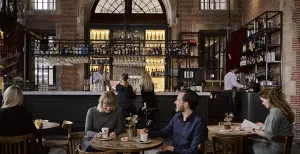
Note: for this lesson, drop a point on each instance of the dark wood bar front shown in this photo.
(62, 105)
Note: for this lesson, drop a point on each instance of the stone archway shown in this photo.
(85, 7)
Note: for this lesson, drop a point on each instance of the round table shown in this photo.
(46, 125)
(130, 146)
(215, 130)
(49, 125)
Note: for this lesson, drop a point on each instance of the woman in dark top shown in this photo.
(14, 119)
(147, 91)
(125, 96)
(106, 114)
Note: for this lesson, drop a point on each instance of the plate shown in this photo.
(104, 139)
(142, 142)
(225, 130)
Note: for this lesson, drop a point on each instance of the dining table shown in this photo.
(130, 146)
(219, 131)
(46, 125)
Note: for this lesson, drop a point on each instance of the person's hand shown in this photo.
(99, 135)
(143, 108)
(260, 124)
(248, 130)
(167, 147)
(144, 131)
(113, 135)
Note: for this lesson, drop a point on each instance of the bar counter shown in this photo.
(73, 105)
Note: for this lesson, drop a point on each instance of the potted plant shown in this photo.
(228, 119)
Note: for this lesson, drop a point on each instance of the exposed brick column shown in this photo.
(291, 44)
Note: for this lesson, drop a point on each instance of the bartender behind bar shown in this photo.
(100, 79)
(230, 84)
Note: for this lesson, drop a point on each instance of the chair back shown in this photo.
(106, 152)
(202, 148)
(67, 125)
(14, 144)
(227, 144)
(288, 142)
(74, 140)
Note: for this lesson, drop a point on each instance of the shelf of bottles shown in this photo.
(262, 45)
(9, 60)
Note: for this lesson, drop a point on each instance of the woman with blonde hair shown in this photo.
(106, 114)
(125, 96)
(279, 122)
(14, 119)
(147, 91)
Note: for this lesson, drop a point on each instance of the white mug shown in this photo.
(144, 137)
(105, 131)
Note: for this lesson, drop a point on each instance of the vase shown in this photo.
(132, 131)
(227, 126)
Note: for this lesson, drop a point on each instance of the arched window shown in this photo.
(137, 6)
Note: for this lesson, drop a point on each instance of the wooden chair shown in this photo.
(202, 148)
(15, 144)
(106, 152)
(59, 143)
(74, 140)
(288, 142)
(227, 144)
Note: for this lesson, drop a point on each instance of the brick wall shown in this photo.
(295, 75)
(193, 19)
(254, 8)
(64, 22)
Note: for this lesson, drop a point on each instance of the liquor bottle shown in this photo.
(268, 56)
(272, 56)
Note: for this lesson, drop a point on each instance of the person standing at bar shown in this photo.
(100, 78)
(125, 96)
(230, 84)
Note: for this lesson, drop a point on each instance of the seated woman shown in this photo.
(15, 120)
(279, 122)
(106, 114)
(125, 96)
(147, 91)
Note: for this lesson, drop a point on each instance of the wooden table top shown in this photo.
(215, 130)
(130, 146)
(48, 125)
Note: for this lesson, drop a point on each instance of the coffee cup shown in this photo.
(105, 131)
(144, 137)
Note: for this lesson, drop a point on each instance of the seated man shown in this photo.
(187, 129)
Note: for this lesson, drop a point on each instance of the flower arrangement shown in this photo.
(131, 121)
(228, 118)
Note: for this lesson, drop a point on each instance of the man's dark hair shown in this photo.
(191, 97)
(101, 64)
(233, 67)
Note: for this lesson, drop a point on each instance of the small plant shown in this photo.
(131, 121)
(228, 118)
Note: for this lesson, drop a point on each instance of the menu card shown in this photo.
(247, 123)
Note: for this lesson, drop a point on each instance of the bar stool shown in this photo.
(151, 117)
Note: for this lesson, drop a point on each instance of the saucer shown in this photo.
(142, 142)
(104, 139)
(225, 130)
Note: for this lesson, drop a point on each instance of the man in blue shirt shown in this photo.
(187, 129)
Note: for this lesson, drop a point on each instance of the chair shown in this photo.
(288, 142)
(227, 144)
(202, 148)
(59, 143)
(74, 140)
(15, 144)
(151, 117)
(106, 152)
